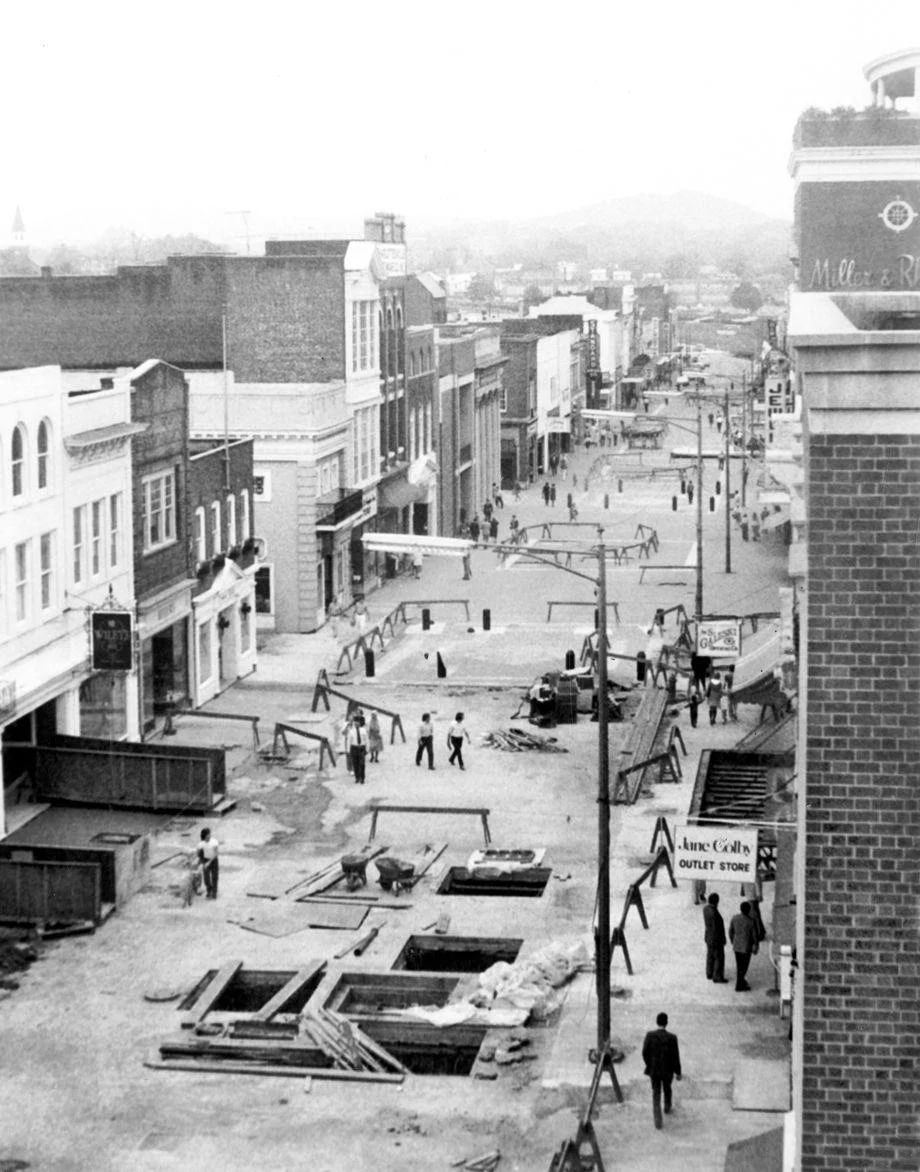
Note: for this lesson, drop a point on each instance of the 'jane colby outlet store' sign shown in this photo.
(715, 852)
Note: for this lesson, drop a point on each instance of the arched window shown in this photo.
(43, 455)
(413, 364)
(399, 317)
(18, 463)
(389, 317)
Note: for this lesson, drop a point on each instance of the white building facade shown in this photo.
(65, 553)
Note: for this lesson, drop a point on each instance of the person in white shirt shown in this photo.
(356, 746)
(455, 735)
(207, 854)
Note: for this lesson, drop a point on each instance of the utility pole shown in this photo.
(699, 506)
(728, 506)
(744, 472)
(602, 958)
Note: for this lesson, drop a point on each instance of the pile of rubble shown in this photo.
(516, 740)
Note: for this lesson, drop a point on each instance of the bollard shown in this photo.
(712, 504)
(487, 620)
(640, 667)
(673, 504)
(606, 500)
(369, 668)
(426, 619)
(570, 660)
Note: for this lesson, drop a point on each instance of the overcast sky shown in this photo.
(310, 115)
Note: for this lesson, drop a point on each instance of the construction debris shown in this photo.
(485, 1163)
(517, 740)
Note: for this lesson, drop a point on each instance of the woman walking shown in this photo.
(455, 735)
(374, 739)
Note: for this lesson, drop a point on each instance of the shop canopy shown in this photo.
(452, 547)
(600, 415)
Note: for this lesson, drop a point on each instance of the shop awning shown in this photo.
(592, 414)
(775, 519)
(452, 547)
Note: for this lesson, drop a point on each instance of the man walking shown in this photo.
(552, 495)
(714, 936)
(207, 859)
(425, 740)
(356, 747)
(742, 932)
(455, 737)
(661, 1056)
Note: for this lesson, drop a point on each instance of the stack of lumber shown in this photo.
(346, 1044)
(517, 740)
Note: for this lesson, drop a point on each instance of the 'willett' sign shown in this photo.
(112, 635)
(715, 852)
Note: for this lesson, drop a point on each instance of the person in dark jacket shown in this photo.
(661, 1056)
(693, 704)
(714, 936)
(742, 932)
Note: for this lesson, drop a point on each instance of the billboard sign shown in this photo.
(112, 640)
(718, 637)
(716, 853)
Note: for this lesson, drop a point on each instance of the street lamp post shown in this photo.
(699, 506)
(602, 956)
(728, 507)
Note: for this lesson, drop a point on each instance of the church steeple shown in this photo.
(19, 229)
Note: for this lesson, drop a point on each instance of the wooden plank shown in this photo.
(294, 985)
(211, 995)
(225, 1067)
(284, 918)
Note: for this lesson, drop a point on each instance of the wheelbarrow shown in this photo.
(394, 874)
(354, 868)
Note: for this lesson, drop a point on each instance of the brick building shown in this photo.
(855, 334)
(544, 391)
(470, 364)
(220, 483)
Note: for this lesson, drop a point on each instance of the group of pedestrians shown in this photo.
(745, 932)
(482, 530)
(457, 733)
(549, 493)
(720, 698)
(660, 1050)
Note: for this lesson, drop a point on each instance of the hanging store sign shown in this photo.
(7, 697)
(720, 637)
(594, 349)
(715, 852)
(112, 640)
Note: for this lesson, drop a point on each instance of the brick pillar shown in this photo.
(857, 1025)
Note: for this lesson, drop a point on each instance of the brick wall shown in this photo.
(159, 398)
(861, 968)
(286, 318)
(169, 311)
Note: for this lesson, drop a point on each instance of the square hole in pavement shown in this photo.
(525, 882)
(456, 954)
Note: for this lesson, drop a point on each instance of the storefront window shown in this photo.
(102, 706)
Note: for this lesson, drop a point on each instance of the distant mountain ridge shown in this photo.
(646, 231)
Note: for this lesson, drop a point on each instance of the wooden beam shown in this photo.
(294, 985)
(221, 1066)
(211, 994)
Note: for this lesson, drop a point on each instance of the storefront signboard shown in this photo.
(718, 637)
(715, 852)
(112, 636)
